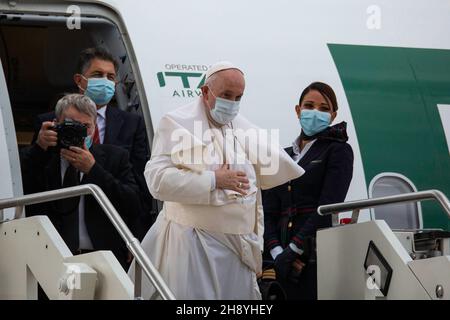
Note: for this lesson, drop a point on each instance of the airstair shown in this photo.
(32, 252)
(371, 260)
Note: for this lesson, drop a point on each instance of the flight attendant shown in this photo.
(290, 210)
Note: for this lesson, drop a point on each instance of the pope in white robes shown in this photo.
(209, 165)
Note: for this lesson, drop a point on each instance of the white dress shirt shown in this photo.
(84, 239)
(101, 123)
(299, 154)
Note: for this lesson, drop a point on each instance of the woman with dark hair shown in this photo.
(290, 210)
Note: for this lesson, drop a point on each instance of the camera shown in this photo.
(71, 133)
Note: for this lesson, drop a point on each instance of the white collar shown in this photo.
(296, 147)
(102, 112)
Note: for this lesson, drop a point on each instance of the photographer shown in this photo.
(96, 76)
(63, 156)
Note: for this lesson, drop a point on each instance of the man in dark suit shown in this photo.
(80, 221)
(96, 77)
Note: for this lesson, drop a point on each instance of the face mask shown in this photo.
(100, 90)
(224, 110)
(88, 142)
(313, 121)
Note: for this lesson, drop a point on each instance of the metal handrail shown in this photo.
(357, 205)
(132, 243)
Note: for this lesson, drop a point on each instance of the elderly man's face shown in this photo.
(74, 114)
(228, 84)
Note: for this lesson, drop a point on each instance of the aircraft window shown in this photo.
(397, 216)
(40, 70)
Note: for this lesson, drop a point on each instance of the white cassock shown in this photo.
(207, 242)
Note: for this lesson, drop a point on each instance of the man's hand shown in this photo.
(47, 137)
(284, 263)
(298, 266)
(81, 159)
(130, 257)
(231, 180)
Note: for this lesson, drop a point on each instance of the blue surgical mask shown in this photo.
(100, 90)
(88, 142)
(224, 110)
(314, 121)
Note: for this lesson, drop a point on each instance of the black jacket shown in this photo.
(290, 210)
(126, 130)
(111, 172)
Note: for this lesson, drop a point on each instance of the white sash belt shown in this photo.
(233, 218)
